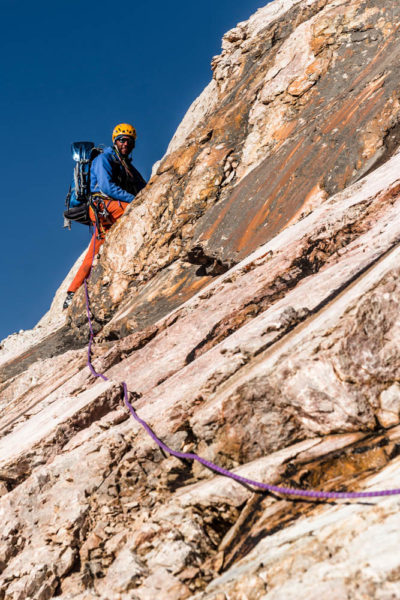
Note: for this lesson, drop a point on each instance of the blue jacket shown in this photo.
(109, 177)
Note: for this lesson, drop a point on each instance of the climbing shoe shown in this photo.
(68, 299)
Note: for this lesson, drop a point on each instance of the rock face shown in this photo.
(250, 300)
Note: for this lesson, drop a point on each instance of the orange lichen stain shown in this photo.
(324, 30)
(330, 471)
(285, 131)
(300, 86)
(318, 43)
(184, 160)
(238, 119)
(230, 119)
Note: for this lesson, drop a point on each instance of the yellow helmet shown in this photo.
(123, 129)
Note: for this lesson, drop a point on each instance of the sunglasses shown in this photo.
(126, 140)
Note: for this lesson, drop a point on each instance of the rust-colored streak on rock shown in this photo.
(350, 108)
(274, 191)
(284, 132)
(269, 197)
(276, 215)
(222, 214)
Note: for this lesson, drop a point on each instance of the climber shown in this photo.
(114, 182)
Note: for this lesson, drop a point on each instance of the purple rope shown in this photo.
(287, 491)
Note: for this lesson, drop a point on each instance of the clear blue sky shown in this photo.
(70, 70)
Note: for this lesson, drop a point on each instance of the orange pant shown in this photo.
(116, 210)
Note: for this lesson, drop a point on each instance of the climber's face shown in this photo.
(125, 145)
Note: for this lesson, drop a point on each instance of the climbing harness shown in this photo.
(99, 205)
(274, 489)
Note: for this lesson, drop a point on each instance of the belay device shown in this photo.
(78, 199)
